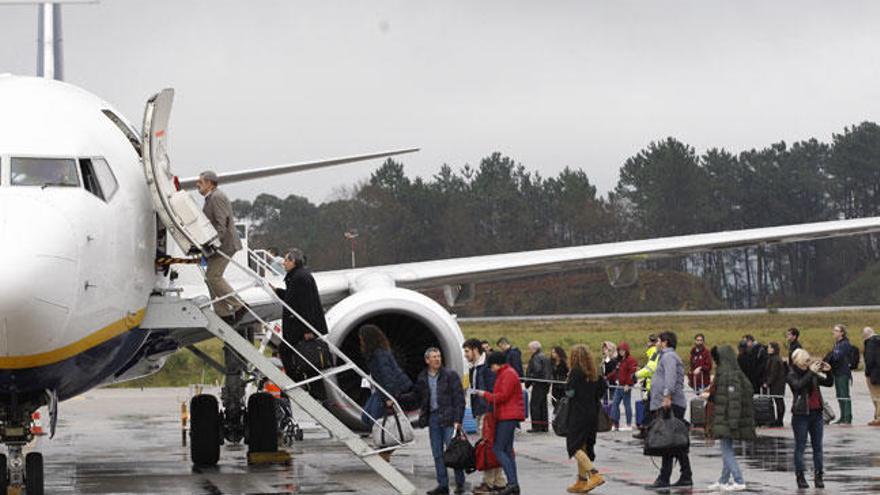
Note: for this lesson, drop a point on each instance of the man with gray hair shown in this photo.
(218, 209)
(539, 371)
(441, 399)
(872, 370)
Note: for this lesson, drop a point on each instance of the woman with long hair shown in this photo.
(383, 369)
(560, 373)
(584, 389)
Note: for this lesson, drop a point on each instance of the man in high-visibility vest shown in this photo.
(645, 374)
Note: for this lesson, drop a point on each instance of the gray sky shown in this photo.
(552, 84)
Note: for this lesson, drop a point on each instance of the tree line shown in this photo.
(665, 189)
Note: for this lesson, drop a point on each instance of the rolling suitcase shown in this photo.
(698, 410)
(526, 402)
(765, 410)
(641, 412)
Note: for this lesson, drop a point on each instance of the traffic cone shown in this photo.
(37, 426)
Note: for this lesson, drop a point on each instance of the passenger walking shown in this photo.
(610, 360)
(791, 336)
(667, 393)
(729, 415)
(625, 379)
(512, 355)
(218, 209)
(775, 384)
(301, 294)
(441, 400)
(804, 378)
(480, 377)
(839, 359)
(560, 373)
(585, 389)
(540, 370)
(384, 370)
(507, 401)
(700, 364)
(872, 370)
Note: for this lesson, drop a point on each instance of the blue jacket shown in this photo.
(483, 379)
(386, 372)
(839, 358)
(514, 359)
(450, 398)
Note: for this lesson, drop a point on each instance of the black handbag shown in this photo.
(459, 454)
(667, 436)
(603, 424)
(560, 417)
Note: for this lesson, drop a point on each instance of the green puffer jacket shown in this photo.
(733, 415)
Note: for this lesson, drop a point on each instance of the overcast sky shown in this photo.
(552, 84)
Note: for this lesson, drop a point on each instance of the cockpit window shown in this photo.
(46, 172)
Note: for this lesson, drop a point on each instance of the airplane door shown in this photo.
(177, 210)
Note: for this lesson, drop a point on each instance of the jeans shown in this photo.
(373, 409)
(620, 395)
(682, 457)
(440, 438)
(503, 448)
(730, 466)
(841, 388)
(801, 425)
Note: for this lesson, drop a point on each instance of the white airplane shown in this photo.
(81, 221)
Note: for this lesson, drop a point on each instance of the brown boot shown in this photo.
(580, 486)
(595, 480)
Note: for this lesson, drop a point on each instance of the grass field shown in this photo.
(183, 368)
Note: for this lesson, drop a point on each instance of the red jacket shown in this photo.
(703, 360)
(626, 369)
(507, 396)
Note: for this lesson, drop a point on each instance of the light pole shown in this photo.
(351, 235)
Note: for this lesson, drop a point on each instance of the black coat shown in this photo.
(301, 294)
(560, 374)
(793, 346)
(450, 398)
(872, 360)
(513, 357)
(802, 383)
(584, 399)
(540, 368)
(775, 375)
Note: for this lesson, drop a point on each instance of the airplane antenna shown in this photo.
(50, 53)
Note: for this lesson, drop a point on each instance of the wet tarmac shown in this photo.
(129, 441)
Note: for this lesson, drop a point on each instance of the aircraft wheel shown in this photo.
(205, 430)
(262, 424)
(33, 473)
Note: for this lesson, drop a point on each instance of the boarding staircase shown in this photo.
(194, 234)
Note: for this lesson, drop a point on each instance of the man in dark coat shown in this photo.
(540, 368)
(512, 355)
(792, 335)
(218, 209)
(441, 399)
(301, 294)
(756, 362)
(872, 370)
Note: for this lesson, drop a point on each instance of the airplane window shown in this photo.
(90, 178)
(105, 177)
(45, 172)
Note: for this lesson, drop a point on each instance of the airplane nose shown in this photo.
(38, 273)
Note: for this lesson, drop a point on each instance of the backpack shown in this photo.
(853, 357)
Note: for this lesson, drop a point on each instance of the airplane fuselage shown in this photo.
(77, 247)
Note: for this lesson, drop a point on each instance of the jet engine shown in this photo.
(411, 321)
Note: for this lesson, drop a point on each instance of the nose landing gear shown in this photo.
(21, 470)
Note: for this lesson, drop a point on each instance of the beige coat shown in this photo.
(218, 209)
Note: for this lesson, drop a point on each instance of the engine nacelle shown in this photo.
(411, 321)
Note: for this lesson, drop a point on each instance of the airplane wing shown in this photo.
(337, 284)
(259, 173)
